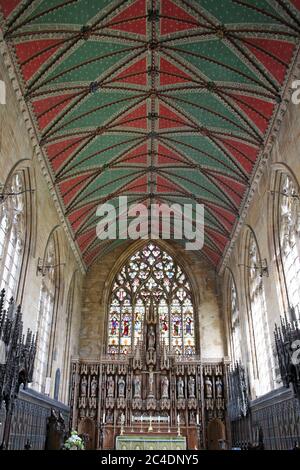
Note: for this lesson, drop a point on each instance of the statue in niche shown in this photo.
(110, 417)
(83, 387)
(208, 387)
(94, 387)
(151, 383)
(180, 388)
(151, 311)
(165, 387)
(191, 386)
(137, 386)
(192, 417)
(110, 387)
(151, 338)
(121, 387)
(219, 388)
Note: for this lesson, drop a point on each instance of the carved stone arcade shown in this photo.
(149, 390)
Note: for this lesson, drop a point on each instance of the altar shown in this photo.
(151, 442)
(150, 388)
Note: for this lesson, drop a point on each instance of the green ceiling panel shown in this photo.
(108, 104)
(205, 113)
(229, 13)
(107, 183)
(100, 55)
(200, 183)
(205, 55)
(77, 13)
(203, 152)
(105, 148)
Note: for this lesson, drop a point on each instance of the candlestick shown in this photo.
(178, 421)
(150, 426)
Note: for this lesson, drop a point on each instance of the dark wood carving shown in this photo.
(238, 394)
(287, 341)
(17, 359)
(56, 432)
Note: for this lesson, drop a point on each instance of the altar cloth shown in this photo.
(150, 442)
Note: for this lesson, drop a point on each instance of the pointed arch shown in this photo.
(259, 339)
(17, 222)
(285, 237)
(151, 278)
(47, 316)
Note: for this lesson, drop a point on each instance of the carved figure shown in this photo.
(151, 338)
(208, 387)
(219, 388)
(151, 383)
(110, 387)
(180, 388)
(83, 386)
(121, 387)
(94, 387)
(165, 387)
(137, 386)
(191, 386)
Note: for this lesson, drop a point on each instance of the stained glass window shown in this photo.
(151, 277)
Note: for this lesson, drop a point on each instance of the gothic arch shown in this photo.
(279, 171)
(135, 246)
(125, 258)
(27, 173)
(48, 306)
(258, 334)
(229, 282)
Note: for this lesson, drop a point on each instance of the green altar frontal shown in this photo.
(161, 442)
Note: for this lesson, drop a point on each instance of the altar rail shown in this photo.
(29, 421)
(276, 416)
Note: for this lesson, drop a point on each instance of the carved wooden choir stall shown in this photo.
(17, 355)
(149, 393)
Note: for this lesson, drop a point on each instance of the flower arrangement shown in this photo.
(74, 442)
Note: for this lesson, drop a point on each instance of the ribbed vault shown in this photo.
(168, 101)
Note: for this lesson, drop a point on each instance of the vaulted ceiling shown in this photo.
(161, 101)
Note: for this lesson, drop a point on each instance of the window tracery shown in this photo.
(262, 353)
(289, 237)
(151, 279)
(46, 309)
(12, 234)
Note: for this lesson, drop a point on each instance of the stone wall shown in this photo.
(17, 152)
(285, 151)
